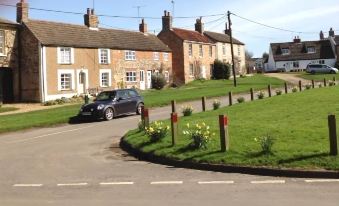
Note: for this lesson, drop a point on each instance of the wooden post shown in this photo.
(146, 117)
(334, 79)
(313, 83)
(333, 135)
(325, 82)
(224, 138)
(286, 89)
(143, 116)
(269, 90)
(174, 106)
(203, 102)
(174, 127)
(230, 100)
(252, 94)
(300, 87)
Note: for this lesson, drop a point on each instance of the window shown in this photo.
(191, 70)
(285, 51)
(311, 49)
(104, 56)
(156, 56)
(239, 51)
(224, 49)
(131, 76)
(190, 50)
(130, 55)
(165, 55)
(65, 55)
(105, 77)
(295, 64)
(322, 61)
(132, 93)
(142, 75)
(211, 51)
(166, 76)
(201, 52)
(66, 81)
(2, 42)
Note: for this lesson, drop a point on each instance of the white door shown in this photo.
(203, 72)
(142, 79)
(82, 82)
(149, 79)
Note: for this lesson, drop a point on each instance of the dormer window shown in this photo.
(311, 49)
(285, 51)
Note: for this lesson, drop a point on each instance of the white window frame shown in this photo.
(239, 51)
(311, 52)
(3, 53)
(132, 76)
(108, 56)
(71, 57)
(201, 50)
(109, 71)
(224, 49)
(285, 49)
(130, 55)
(156, 56)
(66, 71)
(166, 76)
(190, 50)
(191, 72)
(165, 56)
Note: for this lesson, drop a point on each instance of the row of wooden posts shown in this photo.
(223, 120)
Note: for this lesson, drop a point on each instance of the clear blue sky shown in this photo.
(297, 15)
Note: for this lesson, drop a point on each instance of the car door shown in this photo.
(133, 100)
(121, 103)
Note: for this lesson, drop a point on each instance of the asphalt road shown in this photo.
(81, 164)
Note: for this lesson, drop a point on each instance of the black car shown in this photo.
(109, 104)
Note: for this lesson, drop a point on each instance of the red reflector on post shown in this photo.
(223, 120)
(146, 114)
(174, 117)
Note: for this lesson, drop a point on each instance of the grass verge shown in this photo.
(297, 122)
(7, 109)
(319, 77)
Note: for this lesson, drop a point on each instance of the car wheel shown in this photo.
(312, 72)
(109, 114)
(332, 72)
(138, 111)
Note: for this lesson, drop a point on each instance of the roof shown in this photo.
(61, 34)
(298, 51)
(6, 21)
(191, 35)
(336, 39)
(219, 37)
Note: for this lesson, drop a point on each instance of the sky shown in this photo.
(304, 17)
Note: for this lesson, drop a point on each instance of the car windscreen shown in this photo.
(105, 96)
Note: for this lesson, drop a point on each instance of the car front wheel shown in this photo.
(109, 114)
(139, 108)
(332, 72)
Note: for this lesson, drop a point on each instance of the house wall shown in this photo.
(271, 63)
(87, 60)
(288, 65)
(241, 66)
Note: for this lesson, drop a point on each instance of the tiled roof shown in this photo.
(191, 35)
(61, 34)
(219, 37)
(336, 39)
(298, 51)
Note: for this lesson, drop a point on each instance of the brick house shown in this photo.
(63, 60)
(193, 53)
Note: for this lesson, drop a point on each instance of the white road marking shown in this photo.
(215, 182)
(46, 135)
(116, 183)
(27, 185)
(268, 182)
(72, 184)
(167, 183)
(322, 180)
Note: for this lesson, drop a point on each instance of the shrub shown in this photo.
(187, 110)
(221, 70)
(141, 125)
(199, 134)
(294, 89)
(216, 104)
(331, 83)
(157, 131)
(158, 81)
(241, 99)
(278, 92)
(50, 103)
(261, 95)
(308, 86)
(266, 144)
(320, 85)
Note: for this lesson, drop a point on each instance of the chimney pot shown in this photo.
(166, 21)
(143, 26)
(90, 19)
(331, 33)
(22, 11)
(199, 26)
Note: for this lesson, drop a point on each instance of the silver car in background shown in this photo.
(321, 68)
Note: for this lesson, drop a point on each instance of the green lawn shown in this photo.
(319, 77)
(7, 109)
(210, 88)
(297, 122)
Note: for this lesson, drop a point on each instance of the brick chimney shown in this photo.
(21, 11)
(331, 33)
(199, 26)
(91, 20)
(321, 35)
(227, 30)
(297, 39)
(166, 21)
(143, 26)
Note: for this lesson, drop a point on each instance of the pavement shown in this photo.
(82, 164)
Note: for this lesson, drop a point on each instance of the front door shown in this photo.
(82, 83)
(6, 85)
(149, 79)
(203, 72)
(142, 80)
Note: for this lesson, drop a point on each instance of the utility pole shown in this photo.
(138, 8)
(230, 33)
(173, 6)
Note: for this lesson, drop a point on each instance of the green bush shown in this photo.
(199, 134)
(50, 103)
(158, 81)
(278, 92)
(221, 70)
(187, 110)
(156, 131)
(266, 144)
(241, 99)
(216, 104)
(308, 86)
(261, 95)
(331, 83)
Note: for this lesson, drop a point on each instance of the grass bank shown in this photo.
(7, 109)
(319, 77)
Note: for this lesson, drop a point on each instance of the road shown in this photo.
(81, 164)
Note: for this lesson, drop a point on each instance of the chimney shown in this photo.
(166, 21)
(227, 30)
(91, 20)
(331, 33)
(297, 39)
(143, 26)
(21, 11)
(321, 35)
(199, 26)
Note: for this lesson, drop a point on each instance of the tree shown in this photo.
(221, 70)
(248, 55)
(265, 55)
